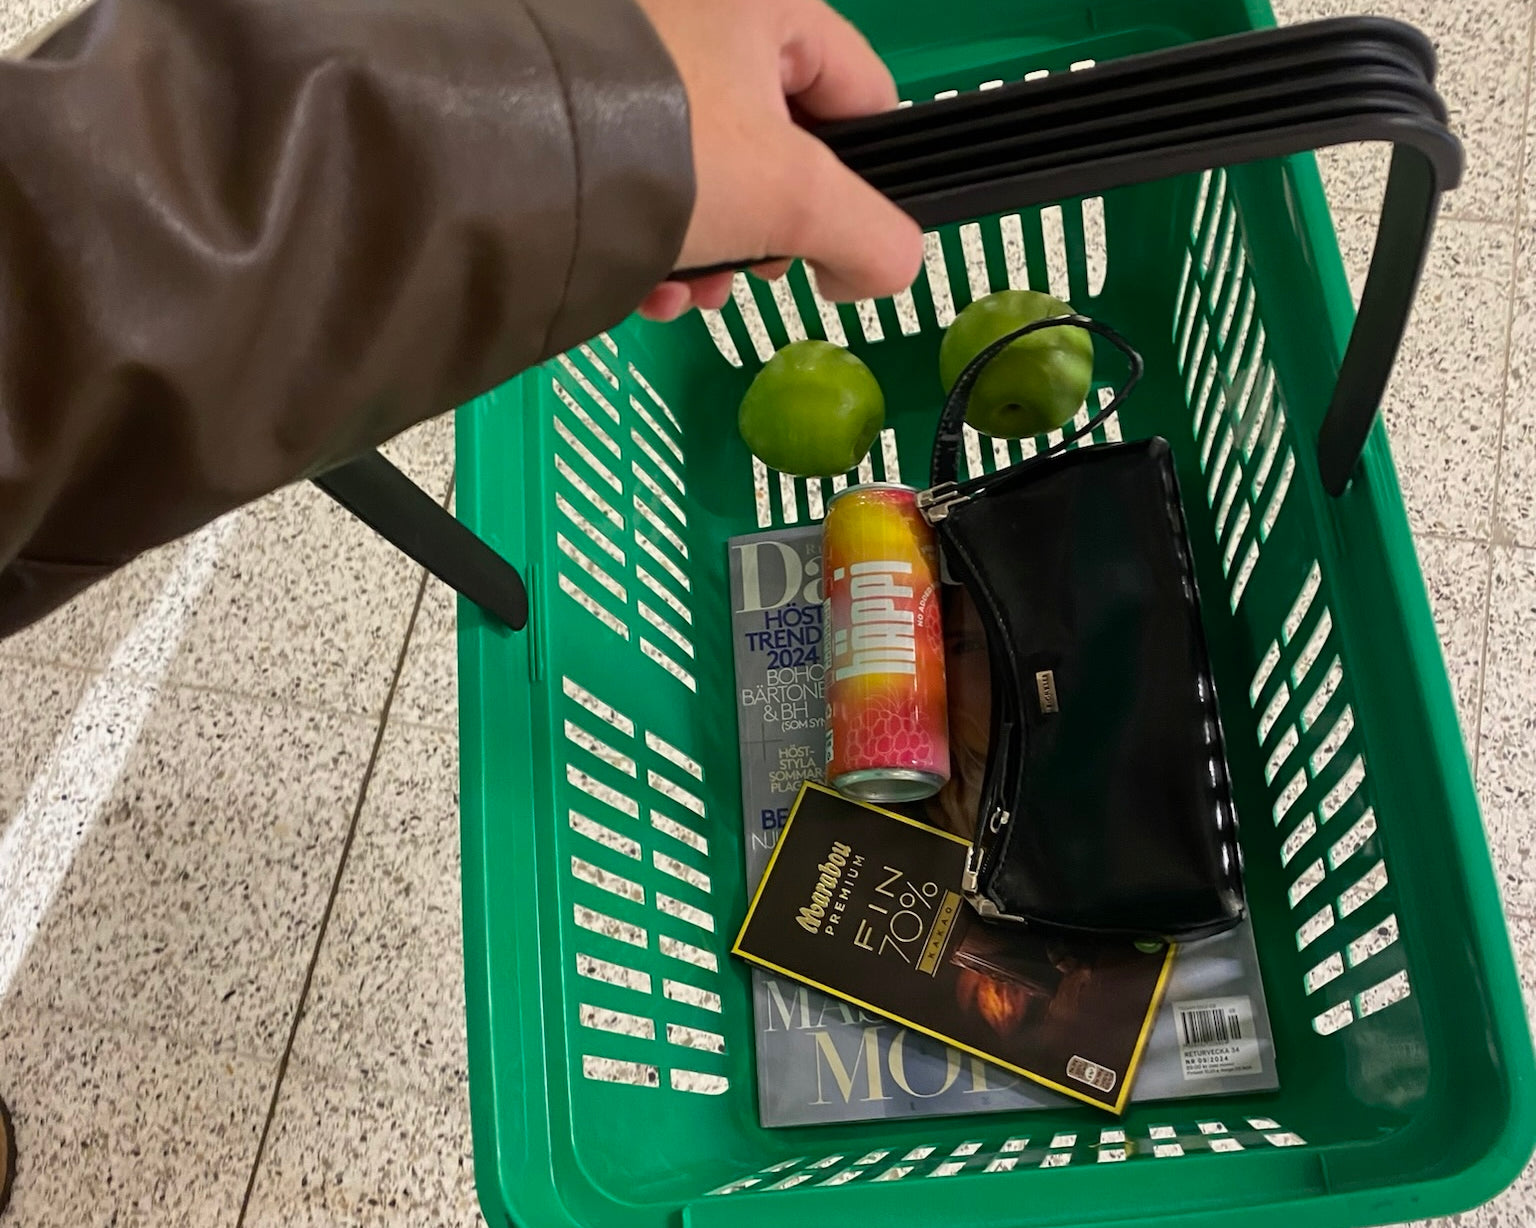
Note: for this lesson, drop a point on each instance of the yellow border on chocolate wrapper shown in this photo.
(1137, 1052)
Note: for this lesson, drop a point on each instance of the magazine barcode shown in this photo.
(1210, 1026)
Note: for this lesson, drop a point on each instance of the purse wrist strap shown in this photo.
(944, 465)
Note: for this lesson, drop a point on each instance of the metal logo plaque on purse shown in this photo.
(1106, 806)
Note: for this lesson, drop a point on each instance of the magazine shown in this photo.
(820, 1060)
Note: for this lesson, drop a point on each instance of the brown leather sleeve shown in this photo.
(243, 239)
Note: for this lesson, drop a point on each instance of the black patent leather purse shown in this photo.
(1106, 806)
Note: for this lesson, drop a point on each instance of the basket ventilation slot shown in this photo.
(1106, 1146)
(641, 878)
(1304, 724)
(620, 502)
(1236, 411)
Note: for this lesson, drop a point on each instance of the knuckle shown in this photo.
(797, 193)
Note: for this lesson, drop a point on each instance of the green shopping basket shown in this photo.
(612, 1073)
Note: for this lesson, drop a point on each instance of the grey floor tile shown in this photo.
(1506, 762)
(84, 632)
(1528, 197)
(341, 1153)
(425, 454)
(38, 702)
(122, 1128)
(1456, 575)
(1517, 481)
(387, 1001)
(307, 606)
(1482, 46)
(1355, 178)
(428, 691)
(1522, 937)
(193, 904)
(22, 20)
(1444, 402)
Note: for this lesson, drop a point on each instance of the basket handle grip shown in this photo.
(1426, 161)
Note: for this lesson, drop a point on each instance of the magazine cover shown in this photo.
(865, 904)
(822, 1061)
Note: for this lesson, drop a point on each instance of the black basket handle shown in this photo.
(1196, 71)
(1426, 160)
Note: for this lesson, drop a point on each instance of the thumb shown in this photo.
(860, 244)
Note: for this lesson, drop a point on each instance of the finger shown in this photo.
(713, 291)
(666, 302)
(861, 245)
(828, 68)
(771, 270)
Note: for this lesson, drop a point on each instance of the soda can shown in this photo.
(887, 730)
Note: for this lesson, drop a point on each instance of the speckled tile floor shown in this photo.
(218, 1022)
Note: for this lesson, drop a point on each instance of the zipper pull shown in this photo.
(969, 880)
(936, 502)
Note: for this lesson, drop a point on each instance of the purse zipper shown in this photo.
(974, 864)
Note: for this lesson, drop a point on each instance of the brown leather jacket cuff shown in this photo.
(632, 151)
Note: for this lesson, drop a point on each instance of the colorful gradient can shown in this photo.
(887, 731)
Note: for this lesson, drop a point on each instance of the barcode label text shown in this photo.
(1217, 1037)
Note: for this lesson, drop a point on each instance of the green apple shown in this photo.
(812, 411)
(1036, 384)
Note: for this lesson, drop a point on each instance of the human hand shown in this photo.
(765, 186)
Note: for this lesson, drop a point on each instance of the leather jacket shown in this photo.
(243, 240)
